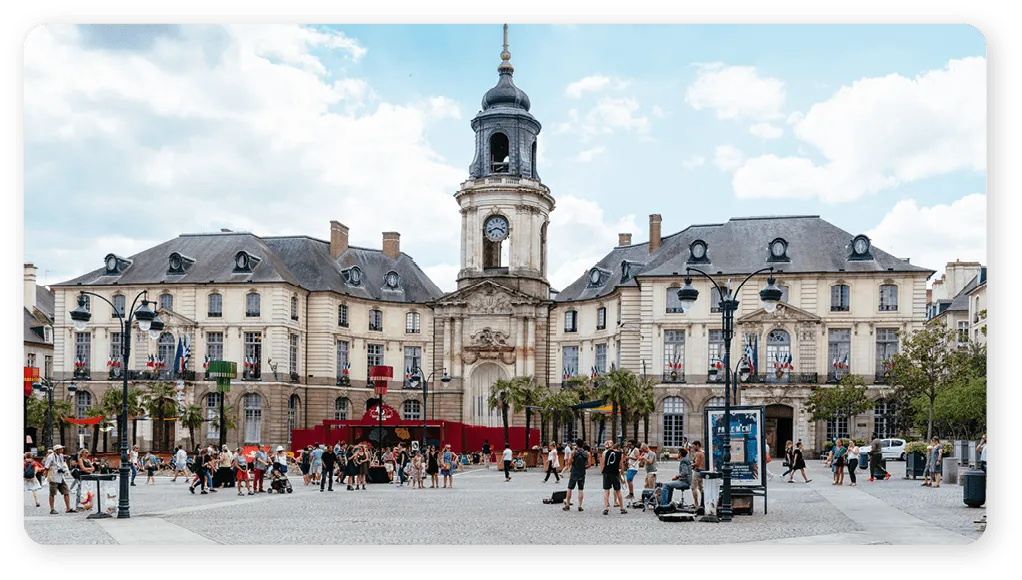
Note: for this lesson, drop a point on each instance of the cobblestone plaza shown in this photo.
(484, 509)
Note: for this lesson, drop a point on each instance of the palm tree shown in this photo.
(62, 410)
(161, 400)
(501, 394)
(229, 422)
(192, 418)
(526, 395)
(617, 386)
(110, 402)
(582, 386)
(95, 411)
(644, 404)
(135, 410)
(564, 403)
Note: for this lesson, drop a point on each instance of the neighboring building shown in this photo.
(38, 324)
(958, 301)
(311, 315)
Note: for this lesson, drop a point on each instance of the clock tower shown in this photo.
(505, 208)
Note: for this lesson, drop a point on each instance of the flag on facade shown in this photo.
(110, 361)
(408, 374)
(186, 354)
(179, 354)
(346, 369)
(149, 362)
(844, 363)
(205, 364)
(788, 364)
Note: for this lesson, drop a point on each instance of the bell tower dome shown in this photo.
(505, 208)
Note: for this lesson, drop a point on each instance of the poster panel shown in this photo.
(747, 468)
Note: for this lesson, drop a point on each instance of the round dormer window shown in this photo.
(111, 263)
(594, 276)
(392, 279)
(778, 248)
(241, 261)
(698, 249)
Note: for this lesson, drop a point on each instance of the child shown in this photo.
(150, 468)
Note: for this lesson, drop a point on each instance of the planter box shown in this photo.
(915, 465)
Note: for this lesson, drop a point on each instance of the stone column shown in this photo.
(456, 368)
(530, 357)
(520, 345)
(446, 329)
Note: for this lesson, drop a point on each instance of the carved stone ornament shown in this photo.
(488, 337)
(490, 301)
(489, 344)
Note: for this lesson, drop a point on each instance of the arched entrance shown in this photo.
(779, 428)
(476, 411)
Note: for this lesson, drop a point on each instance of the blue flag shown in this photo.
(179, 354)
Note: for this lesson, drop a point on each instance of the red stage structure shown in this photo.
(463, 438)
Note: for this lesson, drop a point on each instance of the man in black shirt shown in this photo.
(612, 477)
(402, 460)
(202, 459)
(329, 458)
(486, 452)
(579, 461)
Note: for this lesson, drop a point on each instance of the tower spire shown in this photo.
(505, 57)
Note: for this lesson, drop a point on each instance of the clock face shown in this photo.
(111, 263)
(496, 228)
(392, 279)
(242, 261)
(777, 249)
(594, 276)
(698, 251)
(861, 245)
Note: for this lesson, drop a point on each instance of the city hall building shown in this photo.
(306, 316)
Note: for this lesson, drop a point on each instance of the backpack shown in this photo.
(579, 460)
(29, 470)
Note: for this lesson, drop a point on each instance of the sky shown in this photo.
(136, 134)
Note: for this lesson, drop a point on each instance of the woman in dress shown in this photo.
(798, 463)
(936, 459)
(306, 464)
(432, 467)
(350, 467)
(363, 466)
(388, 464)
(420, 470)
(31, 482)
(852, 460)
(839, 462)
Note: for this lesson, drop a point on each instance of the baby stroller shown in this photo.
(278, 481)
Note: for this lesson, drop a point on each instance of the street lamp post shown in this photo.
(770, 296)
(147, 322)
(417, 378)
(48, 386)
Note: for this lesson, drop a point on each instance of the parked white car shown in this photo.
(892, 448)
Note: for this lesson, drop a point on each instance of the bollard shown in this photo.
(974, 492)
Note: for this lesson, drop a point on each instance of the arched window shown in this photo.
(412, 410)
(674, 421)
(500, 150)
(253, 417)
(294, 308)
(571, 321)
(212, 415)
(167, 301)
(778, 363)
(118, 305)
(888, 298)
(412, 322)
(715, 402)
(341, 409)
(166, 348)
(375, 319)
(840, 298)
(534, 160)
(292, 415)
(252, 305)
(885, 419)
(83, 402)
(216, 306)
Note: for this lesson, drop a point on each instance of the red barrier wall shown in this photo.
(462, 438)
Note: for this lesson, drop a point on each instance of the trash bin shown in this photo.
(98, 478)
(863, 459)
(975, 487)
(711, 492)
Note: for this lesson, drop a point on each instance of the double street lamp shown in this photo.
(770, 296)
(147, 322)
(414, 382)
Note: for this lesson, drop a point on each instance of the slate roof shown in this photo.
(961, 300)
(741, 246)
(44, 301)
(34, 329)
(298, 260)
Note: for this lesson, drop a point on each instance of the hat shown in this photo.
(280, 448)
(58, 446)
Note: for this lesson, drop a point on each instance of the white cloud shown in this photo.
(608, 116)
(766, 131)
(593, 84)
(736, 92)
(878, 133)
(580, 219)
(694, 161)
(238, 126)
(443, 275)
(657, 112)
(935, 235)
(588, 155)
(728, 157)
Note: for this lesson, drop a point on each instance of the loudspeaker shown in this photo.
(557, 497)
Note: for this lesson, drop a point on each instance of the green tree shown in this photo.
(928, 362)
(525, 396)
(111, 404)
(135, 410)
(191, 419)
(617, 387)
(62, 410)
(644, 405)
(501, 394)
(229, 422)
(960, 410)
(562, 408)
(161, 401)
(95, 411)
(844, 400)
(582, 387)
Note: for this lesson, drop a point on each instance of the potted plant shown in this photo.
(915, 459)
(826, 449)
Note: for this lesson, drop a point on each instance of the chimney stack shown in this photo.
(392, 244)
(654, 232)
(338, 239)
(624, 239)
(30, 278)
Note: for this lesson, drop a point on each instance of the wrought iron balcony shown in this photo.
(782, 378)
(252, 374)
(883, 378)
(674, 377)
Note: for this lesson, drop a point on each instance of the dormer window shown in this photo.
(629, 269)
(598, 277)
(697, 252)
(392, 280)
(244, 262)
(353, 276)
(860, 248)
(778, 251)
(179, 263)
(116, 265)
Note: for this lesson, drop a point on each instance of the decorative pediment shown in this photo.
(487, 297)
(488, 337)
(174, 320)
(783, 312)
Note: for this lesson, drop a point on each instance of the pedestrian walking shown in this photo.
(579, 462)
(58, 474)
(329, 458)
(224, 474)
(180, 463)
(305, 464)
(486, 453)
(612, 466)
(789, 460)
(316, 463)
(876, 459)
(936, 461)
(240, 466)
(261, 464)
(852, 461)
(350, 467)
(507, 462)
(798, 463)
(133, 458)
(698, 459)
(31, 482)
(388, 464)
(447, 459)
(433, 466)
(149, 462)
(553, 463)
(633, 466)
